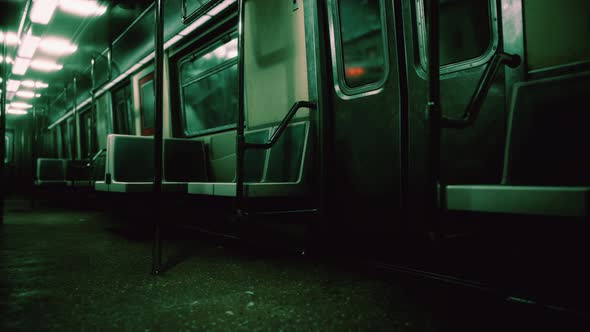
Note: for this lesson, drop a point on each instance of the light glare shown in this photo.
(42, 11)
(25, 94)
(18, 104)
(82, 7)
(10, 38)
(20, 66)
(8, 59)
(45, 65)
(57, 46)
(12, 85)
(16, 111)
(29, 45)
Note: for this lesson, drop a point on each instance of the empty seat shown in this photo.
(51, 171)
(276, 172)
(129, 165)
(545, 167)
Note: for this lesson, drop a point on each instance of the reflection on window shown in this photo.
(123, 111)
(362, 41)
(8, 151)
(146, 86)
(465, 30)
(71, 139)
(210, 88)
(86, 133)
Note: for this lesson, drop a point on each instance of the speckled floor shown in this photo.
(78, 270)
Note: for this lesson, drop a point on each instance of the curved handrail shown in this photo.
(282, 126)
(95, 157)
(481, 91)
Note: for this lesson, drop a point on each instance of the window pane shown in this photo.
(71, 140)
(8, 151)
(147, 104)
(219, 55)
(212, 101)
(464, 30)
(362, 41)
(122, 109)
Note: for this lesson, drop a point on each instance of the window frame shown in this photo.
(86, 132)
(461, 65)
(188, 17)
(343, 90)
(129, 113)
(145, 131)
(191, 56)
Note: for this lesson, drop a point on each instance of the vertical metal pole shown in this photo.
(3, 129)
(76, 124)
(93, 104)
(158, 131)
(240, 139)
(433, 115)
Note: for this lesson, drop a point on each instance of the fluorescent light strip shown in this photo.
(57, 46)
(45, 65)
(12, 85)
(171, 42)
(20, 66)
(16, 111)
(82, 7)
(42, 11)
(25, 94)
(10, 38)
(18, 104)
(29, 45)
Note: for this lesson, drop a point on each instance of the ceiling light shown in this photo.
(45, 65)
(10, 38)
(12, 85)
(29, 45)
(16, 111)
(37, 95)
(32, 84)
(82, 7)
(18, 104)
(28, 84)
(42, 11)
(9, 59)
(57, 46)
(20, 66)
(25, 94)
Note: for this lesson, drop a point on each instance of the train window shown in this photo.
(147, 103)
(86, 133)
(209, 88)
(192, 9)
(466, 34)
(63, 131)
(360, 44)
(8, 144)
(123, 111)
(71, 139)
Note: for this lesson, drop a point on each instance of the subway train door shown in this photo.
(362, 92)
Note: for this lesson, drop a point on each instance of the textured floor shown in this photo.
(78, 270)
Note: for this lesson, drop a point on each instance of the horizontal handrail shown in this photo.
(282, 126)
(481, 91)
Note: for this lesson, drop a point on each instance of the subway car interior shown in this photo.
(397, 165)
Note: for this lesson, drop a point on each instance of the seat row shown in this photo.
(188, 167)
